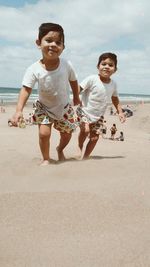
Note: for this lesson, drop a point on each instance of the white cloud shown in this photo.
(91, 28)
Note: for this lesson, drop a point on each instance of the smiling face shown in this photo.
(51, 45)
(106, 69)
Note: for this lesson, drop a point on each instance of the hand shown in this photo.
(77, 102)
(16, 117)
(122, 117)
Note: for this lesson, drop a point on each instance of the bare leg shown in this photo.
(44, 142)
(91, 144)
(64, 140)
(112, 137)
(81, 139)
(84, 131)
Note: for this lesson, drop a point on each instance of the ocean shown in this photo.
(10, 95)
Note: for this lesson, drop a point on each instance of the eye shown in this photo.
(59, 43)
(48, 40)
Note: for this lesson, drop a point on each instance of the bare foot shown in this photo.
(61, 156)
(79, 153)
(44, 163)
(47, 162)
(52, 161)
(86, 157)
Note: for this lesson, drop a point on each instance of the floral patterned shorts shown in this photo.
(83, 118)
(66, 125)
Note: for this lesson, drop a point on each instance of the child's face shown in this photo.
(51, 45)
(106, 69)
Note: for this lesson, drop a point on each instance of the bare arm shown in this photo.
(23, 97)
(116, 103)
(75, 90)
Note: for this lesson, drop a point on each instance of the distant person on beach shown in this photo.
(30, 118)
(104, 129)
(121, 137)
(2, 109)
(97, 92)
(113, 131)
(111, 111)
(54, 75)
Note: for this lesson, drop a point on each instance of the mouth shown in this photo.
(106, 72)
(52, 51)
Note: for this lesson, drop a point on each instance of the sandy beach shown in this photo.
(79, 213)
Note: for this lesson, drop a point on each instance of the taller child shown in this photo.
(53, 76)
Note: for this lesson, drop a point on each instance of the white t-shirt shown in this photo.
(96, 96)
(53, 86)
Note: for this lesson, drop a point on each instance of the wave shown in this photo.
(8, 94)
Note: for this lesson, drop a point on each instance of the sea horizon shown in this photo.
(10, 95)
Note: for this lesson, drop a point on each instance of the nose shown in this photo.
(106, 67)
(53, 43)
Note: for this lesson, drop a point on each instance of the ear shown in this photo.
(38, 43)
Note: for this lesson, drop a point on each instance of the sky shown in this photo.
(91, 28)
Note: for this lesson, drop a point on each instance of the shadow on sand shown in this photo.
(106, 157)
(76, 159)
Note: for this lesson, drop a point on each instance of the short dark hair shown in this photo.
(47, 27)
(107, 55)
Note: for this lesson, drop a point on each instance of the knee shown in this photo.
(65, 135)
(83, 132)
(44, 135)
(84, 127)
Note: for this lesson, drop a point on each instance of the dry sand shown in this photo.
(92, 213)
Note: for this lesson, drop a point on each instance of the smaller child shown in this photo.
(98, 91)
